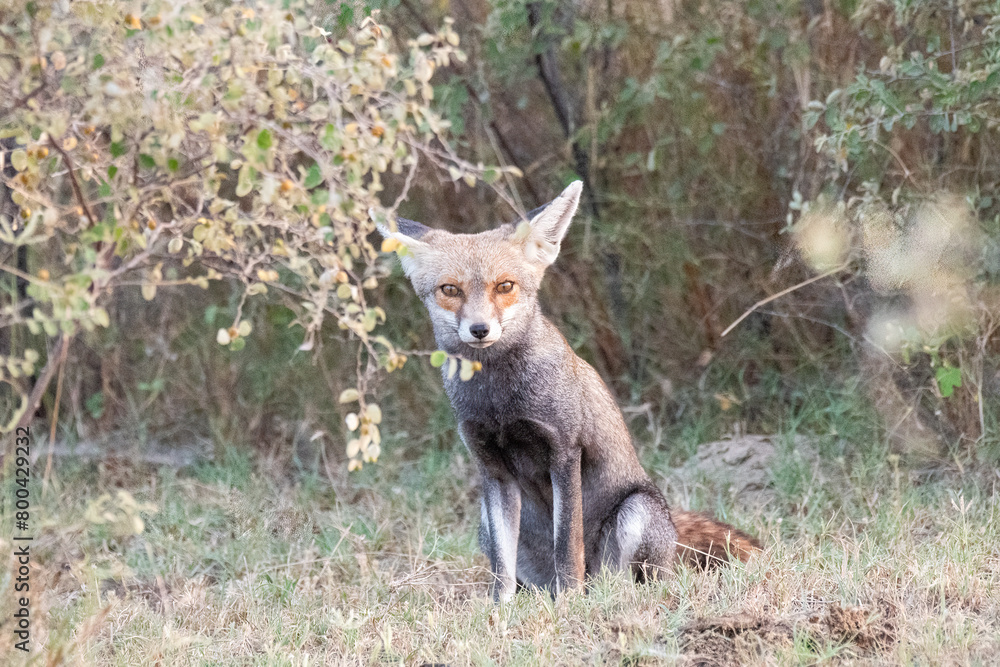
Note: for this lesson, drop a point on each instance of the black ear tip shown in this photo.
(532, 214)
(411, 228)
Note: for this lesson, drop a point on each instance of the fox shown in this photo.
(563, 492)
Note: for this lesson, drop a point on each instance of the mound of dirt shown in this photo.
(743, 464)
(732, 640)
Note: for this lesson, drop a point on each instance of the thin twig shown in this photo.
(18, 273)
(24, 100)
(42, 384)
(906, 170)
(55, 413)
(72, 177)
(782, 293)
(406, 185)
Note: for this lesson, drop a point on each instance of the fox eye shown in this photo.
(450, 290)
(505, 287)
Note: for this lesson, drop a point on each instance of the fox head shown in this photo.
(480, 289)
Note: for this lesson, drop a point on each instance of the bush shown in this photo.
(205, 142)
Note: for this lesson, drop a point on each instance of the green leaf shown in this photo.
(98, 61)
(238, 344)
(112, 170)
(146, 161)
(346, 16)
(118, 148)
(948, 377)
(330, 140)
(938, 123)
(438, 358)
(264, 139)
(173, 164)
(95, 405)
(313, 178)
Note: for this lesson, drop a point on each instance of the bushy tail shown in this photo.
(703, 541)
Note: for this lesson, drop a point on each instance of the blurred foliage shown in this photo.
(731, 151)
(159, 145)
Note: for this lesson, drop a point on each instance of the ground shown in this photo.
(251, 561)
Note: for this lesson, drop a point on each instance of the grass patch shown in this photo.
(237, 564)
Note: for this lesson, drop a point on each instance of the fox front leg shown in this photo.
(567, 519)
(501, 525)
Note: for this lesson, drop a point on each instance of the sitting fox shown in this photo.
(564, 493)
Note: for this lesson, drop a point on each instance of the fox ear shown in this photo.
(549, 223)
(411, 230)
(408, 233)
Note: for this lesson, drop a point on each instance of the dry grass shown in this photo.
(239, 565)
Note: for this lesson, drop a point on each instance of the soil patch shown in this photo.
(735, 639)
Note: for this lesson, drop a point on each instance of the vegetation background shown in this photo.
(839, 156)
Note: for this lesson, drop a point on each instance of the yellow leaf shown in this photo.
(101, 318)
(726, 401)
(349, 395)
(390, 244)
(353, 447)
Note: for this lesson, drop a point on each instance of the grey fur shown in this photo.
(560, 475)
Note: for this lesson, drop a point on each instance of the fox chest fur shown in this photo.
(520, 413)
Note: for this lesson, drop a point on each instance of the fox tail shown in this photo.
(704, 542)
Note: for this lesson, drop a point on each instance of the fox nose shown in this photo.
(480, 331)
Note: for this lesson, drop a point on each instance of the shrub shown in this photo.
(205, 141)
